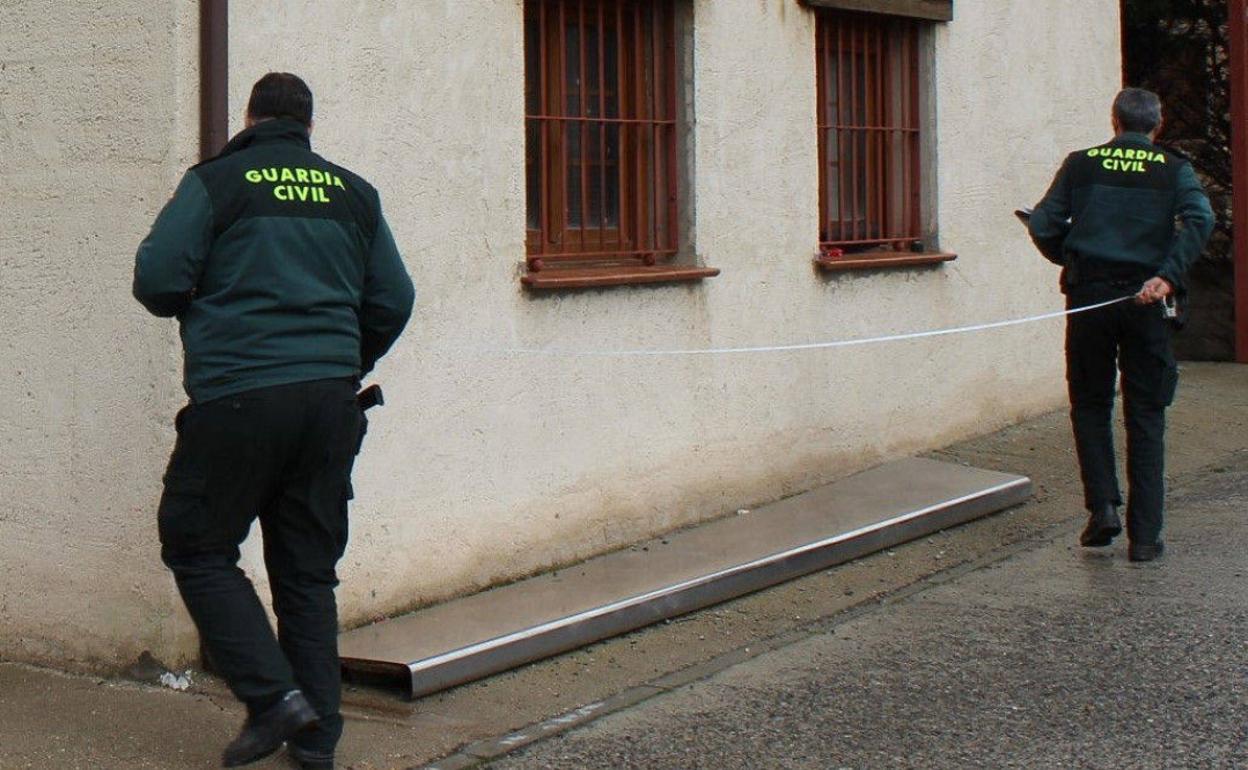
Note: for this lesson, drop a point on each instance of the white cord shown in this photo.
(809, 345)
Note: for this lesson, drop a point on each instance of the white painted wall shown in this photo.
(484, 467)
(97, 120)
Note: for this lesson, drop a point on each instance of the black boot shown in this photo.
(1103, 526)
(311, 760)
(264, 734)
(1145, 551)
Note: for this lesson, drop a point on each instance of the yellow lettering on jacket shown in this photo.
(1128, 154)
(1133, 166)
(309, 184)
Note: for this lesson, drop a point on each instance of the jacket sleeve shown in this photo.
(388, 298)
(1194, 216)
(1050, 221)
(171, 258)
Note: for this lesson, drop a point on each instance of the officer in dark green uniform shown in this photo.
(1123, 218)
(288, 286)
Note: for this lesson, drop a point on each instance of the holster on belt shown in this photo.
(370, 397)
(367, 399)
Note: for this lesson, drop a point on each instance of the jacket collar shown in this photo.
(1132, 137)
(266, 132)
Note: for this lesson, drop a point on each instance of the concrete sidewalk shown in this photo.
(926, 648)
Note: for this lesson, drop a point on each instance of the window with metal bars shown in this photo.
(869, 133)
(600, 123)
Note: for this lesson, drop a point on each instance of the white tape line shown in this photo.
(806, 345)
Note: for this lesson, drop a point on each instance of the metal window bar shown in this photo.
(601, 130)
(868, 121)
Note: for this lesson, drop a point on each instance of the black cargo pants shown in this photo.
(1135, 340)
(283, 455)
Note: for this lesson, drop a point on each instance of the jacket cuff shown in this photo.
(1175, 281)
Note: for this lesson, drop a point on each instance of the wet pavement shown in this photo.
(1052, 657)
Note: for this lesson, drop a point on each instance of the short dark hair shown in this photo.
(1137, 110)
(281, 95)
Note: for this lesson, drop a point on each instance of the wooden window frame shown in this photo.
(882, 135)
(630, 95)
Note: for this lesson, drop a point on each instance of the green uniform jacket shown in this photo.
(278, 265)
(1128, 202)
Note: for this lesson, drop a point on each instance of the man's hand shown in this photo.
(1155, 289)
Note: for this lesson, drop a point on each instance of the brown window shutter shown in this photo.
(936, 10)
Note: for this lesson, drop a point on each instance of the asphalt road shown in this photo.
(1050, 657)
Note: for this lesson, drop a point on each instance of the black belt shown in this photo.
(1083, 271)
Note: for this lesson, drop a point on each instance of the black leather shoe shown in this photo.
(311, 760)
(1103, 526)
(265, 734)
(1145, 551)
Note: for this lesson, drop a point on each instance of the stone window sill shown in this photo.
(879, 260)
(553, 278)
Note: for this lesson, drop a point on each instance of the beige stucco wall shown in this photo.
(485, 466)
(97, 118)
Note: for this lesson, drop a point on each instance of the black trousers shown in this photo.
(1135, 340)
(282, 455)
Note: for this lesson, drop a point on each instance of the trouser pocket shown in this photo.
(1167, 385)
(1150, 372)
(182, 518)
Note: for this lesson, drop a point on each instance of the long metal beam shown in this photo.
(486, 633)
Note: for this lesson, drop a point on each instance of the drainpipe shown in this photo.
(214, 38)
(1236, 11)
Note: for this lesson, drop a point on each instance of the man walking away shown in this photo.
(288, 287)
(1127, 217)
